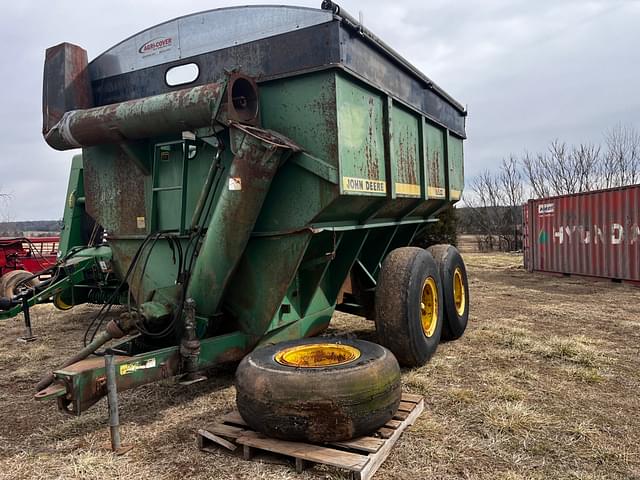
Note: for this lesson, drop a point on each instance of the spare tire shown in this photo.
(318, 390)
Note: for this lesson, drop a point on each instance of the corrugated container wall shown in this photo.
(595, 234)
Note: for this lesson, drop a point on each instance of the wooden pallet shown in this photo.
(362, 456)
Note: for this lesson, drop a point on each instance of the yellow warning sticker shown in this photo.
(437, 192)
(409, 189)
(351, 184)
(455, 194)
(127, 368)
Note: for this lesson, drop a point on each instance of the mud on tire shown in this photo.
(409, 305)
(318, 390)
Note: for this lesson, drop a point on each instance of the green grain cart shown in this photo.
(244, 173)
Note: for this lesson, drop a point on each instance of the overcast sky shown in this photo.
(529, 71)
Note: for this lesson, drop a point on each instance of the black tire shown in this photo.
(455, 284)
(405, 274)
(12, 280)
(322, 403)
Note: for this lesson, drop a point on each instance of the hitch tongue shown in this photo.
(52, 391)
(112, 330)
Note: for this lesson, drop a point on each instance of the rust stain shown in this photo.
(406, 158)
(370, 148)
(231, 355)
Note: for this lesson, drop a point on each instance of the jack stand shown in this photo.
(190, 346)
(112, 399)
(28, 333)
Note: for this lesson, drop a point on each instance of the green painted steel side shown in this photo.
(435, 156)
(360, 138)
(234, 215)
(456, 168)
(367, 159)
(74, 215)
(406, 145)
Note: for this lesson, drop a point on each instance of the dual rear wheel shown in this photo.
(422, 297)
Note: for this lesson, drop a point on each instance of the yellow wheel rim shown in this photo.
(60, 304)
(429, 307)
(317, 355)
(459, 297)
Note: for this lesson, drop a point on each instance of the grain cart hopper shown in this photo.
(252, 167)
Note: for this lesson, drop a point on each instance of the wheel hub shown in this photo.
(317, 355)
(429, 307)
(459, 297)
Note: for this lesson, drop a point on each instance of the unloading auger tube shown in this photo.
(234, 99)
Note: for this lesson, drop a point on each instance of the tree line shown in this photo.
(495, 197)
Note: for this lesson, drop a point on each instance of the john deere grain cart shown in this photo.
(253, 169)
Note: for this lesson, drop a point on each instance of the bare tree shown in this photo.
(496, 200)
(4, 207)
(512, 193)
(562, 175)
(621, 161)
(563, 170)
(496, 197)
(586, 162)
(535, 170)
(483, 201)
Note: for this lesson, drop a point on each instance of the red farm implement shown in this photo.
(27, 254)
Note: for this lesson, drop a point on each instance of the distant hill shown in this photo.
(30, 228)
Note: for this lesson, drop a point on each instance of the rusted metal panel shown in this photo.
(136, 119)
(66, 83)
(406, 145)
(115, 191)
(595, 234)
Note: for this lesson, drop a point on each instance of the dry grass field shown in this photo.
(544, 384)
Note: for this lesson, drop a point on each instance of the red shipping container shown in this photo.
(595, 234)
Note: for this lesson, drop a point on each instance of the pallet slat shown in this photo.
(411, 397)
(305, 451)
(372, 467)
(365, 444)
(204, 434)
(385, 432)
(235, 418)
(393, 424)
(401, 415)
(226, 430)
(363, 460)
